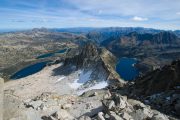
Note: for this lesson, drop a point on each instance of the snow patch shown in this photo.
(61, 78)
(75, 84)
(83, 78)
(99, 85)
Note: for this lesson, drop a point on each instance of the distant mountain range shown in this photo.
(90, 31)
(135, 38)
(110, 31)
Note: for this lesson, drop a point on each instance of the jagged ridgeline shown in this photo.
(98, 59)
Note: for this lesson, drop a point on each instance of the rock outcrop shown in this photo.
(100, 59)
(160, 80)
(118, 107)
(160, 89)
(92, 105)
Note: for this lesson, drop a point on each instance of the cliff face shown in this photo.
(84, 56)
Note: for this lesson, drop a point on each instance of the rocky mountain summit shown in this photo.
(100, 60)
(71, 89)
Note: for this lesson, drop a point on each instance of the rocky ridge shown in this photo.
(160, 80)
(98, 59)
(160, 88)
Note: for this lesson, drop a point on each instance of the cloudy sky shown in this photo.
(161, 14)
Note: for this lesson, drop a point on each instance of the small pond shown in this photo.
(51, 54)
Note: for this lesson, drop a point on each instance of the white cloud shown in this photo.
(136, 18)
(178, 13)
(94, 13)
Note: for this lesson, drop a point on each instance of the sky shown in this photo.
(25, 14)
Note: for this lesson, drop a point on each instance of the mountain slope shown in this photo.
(160, 80)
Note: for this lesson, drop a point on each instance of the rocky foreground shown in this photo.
(32, 99)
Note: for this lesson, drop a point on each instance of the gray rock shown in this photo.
(107, 95)
(34, 104)
(28, 114)
(138, 115)
(100, 116)
(48, 118)
(159, 117)
(63, 115)
(120, 101)
(66, 106)
(89, 105)
(107, 116)
(136, 103)
(177, 108)
(114, 116)
(50, 103)
(42, 107)
(11, 106)
(126, 116)
(147, 112)
(84, 118)
(110, 104)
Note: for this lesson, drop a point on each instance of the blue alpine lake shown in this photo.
(125, 68)
(32, 69)
(51, 54)
(29, 70)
